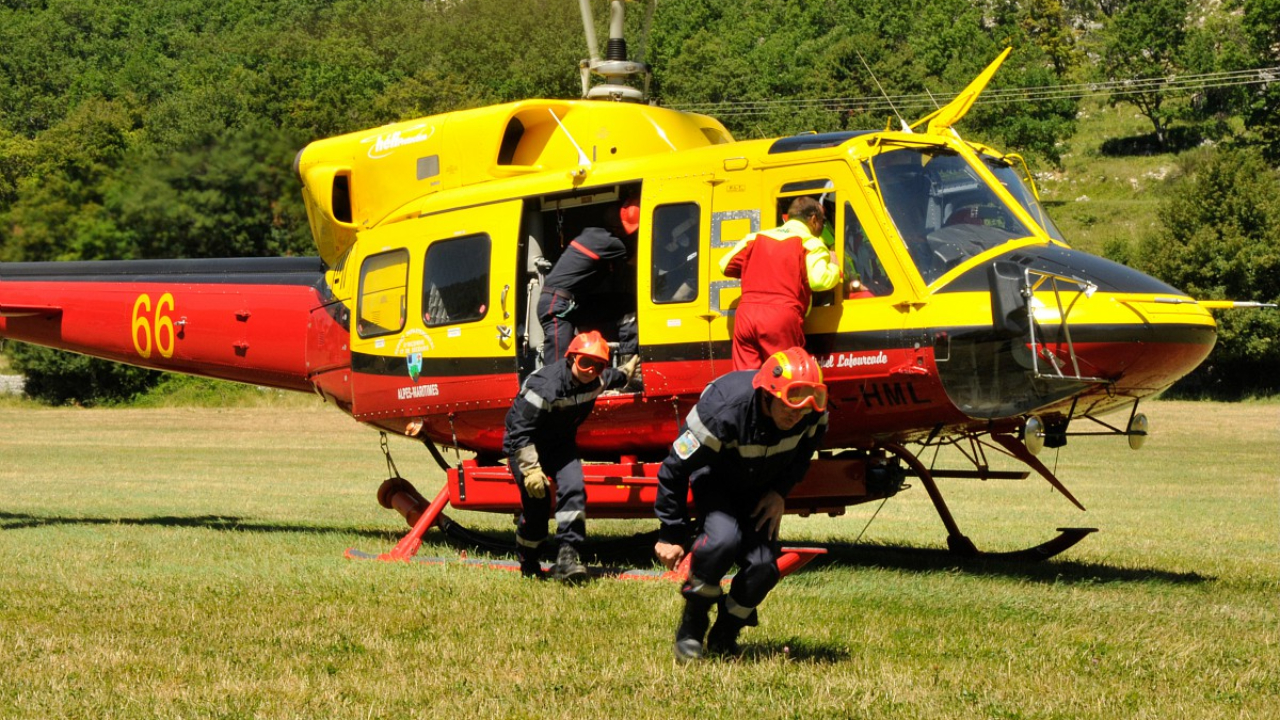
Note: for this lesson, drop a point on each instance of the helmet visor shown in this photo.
(801, 394)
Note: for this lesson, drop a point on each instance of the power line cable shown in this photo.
(917, 101)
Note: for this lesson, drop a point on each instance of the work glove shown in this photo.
(535, 482)
(630, 366)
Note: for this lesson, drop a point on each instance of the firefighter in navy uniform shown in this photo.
(582, 277)
(743, 447)
(541, 441)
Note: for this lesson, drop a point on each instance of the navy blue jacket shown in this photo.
(587, 263)
(552, 404)
(727, 439)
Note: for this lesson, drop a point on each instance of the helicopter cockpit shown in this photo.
(945, 212)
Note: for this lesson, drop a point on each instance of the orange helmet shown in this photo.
(629, 214)
(793, 376)
(590, 344)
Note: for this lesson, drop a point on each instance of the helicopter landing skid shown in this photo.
(960, 544)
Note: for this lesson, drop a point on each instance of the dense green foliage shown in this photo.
(166, 128)
(760, 50)
(1218, 240)
(60, 378)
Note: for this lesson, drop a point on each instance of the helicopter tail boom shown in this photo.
(249, 320)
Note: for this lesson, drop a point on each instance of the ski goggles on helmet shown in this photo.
(587, 363)
(798, 395)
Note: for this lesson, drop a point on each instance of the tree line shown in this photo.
(167, 128)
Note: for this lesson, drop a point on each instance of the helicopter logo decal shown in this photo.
(385, 145)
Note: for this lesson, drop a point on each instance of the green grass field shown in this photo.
(187, 563)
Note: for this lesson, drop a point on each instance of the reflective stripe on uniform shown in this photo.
(701, 588)
(739, 611)
(565, 518)
(701, 432)
(582, 398)
(521, 541)
(786, 444)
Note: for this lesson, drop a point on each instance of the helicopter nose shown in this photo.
(1066, 325)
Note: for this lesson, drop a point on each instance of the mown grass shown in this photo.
(187, 563)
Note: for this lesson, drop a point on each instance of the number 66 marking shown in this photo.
(161, 330)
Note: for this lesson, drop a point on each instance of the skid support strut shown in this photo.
(960, 544)
(409, 544)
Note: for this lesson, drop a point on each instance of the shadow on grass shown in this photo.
(1057, 571)
(793, 649)
(19, 521)
(636, 551)
(1177, 139)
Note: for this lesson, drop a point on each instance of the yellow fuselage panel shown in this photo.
(355, 181)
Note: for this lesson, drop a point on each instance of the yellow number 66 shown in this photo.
(161, 330)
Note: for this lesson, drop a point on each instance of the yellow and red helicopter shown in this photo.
(973, 324)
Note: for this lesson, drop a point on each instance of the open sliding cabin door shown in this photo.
(434, 327)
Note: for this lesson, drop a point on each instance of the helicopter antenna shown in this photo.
(583, 161)
(615, 68)
(905, 126)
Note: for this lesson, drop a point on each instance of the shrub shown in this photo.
(1217, 240)
(63, 378)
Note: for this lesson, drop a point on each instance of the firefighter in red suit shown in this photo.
(743, 447)
(780, 271)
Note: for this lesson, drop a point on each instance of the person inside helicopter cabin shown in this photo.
(541, 442)
(582, 280)
(743, 447)
(780, 270)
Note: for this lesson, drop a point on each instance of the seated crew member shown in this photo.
(584, 268)
(541, 440)
(780, 271)
(743, 447)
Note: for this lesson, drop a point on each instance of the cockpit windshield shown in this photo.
(944, 211)
(1012, 181)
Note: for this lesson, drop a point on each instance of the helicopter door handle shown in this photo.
(505, 289)
(504, 333)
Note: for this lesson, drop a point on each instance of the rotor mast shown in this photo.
(614, 67)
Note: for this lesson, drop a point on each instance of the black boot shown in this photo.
(530, 565)
(568, 567)
(693, 627)
(723, 638)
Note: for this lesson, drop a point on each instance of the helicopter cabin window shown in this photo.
(675, 253)
(943, 209)
(455, 283)
(824, 191)
(383, 283)
(860, 260)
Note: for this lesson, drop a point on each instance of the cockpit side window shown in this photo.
(861, 261)
(945, 212)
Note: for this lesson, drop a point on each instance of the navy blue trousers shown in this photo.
(563, 466)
